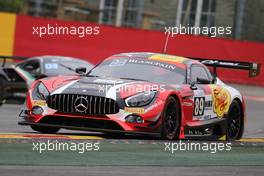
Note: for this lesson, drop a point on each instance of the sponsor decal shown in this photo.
(155, 60)
(164, 57)
(39, 103)
(221, 101)
(212, 62)
(49, 66)
(186, 103)
(207, 117)
(118, 62)
(154, 63)
(135, 110)
(208, 105)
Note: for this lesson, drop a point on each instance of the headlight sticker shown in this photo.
(134, 110)
(39, 103)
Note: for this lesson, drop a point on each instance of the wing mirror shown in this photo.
(80, 70)
(203, 81)
(214, 80)
(40, 76)
(199, 81)
(193, 86)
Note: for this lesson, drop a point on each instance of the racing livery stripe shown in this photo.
(61, 89)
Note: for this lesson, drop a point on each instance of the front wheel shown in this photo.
(171, 120)
(235, 126)
(48, 130)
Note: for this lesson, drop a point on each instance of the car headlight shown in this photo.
(141, 99)
(40, 92)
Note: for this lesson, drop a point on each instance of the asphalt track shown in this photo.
(17, 156)
(128, 171)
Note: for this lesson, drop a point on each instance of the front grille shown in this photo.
(82, 104)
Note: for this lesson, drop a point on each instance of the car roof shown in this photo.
(161, 57)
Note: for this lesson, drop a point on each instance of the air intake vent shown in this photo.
(82, 104)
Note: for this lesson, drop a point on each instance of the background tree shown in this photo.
(11, 5)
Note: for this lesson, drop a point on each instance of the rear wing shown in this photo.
(253, 68)
(7, 58)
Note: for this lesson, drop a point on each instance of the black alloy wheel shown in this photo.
(171, 120)
(235, 126)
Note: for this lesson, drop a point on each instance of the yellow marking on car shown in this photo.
(39, 103)
(223, 138)
(169, 58)
(221, 100)
(85, 137)
(135, 110)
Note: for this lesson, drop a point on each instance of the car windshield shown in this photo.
(140, 69)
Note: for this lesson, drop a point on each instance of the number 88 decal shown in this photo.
(198, 106)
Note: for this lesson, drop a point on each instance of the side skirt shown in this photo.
(209, 130)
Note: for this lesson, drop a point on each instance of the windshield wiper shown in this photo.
(69, 68)
(92, 76)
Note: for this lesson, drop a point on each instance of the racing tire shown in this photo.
(235, 122)
(48, 130)
(171, 120)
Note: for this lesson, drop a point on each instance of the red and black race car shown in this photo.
(144, 93)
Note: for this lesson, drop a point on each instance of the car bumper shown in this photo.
(99, 124)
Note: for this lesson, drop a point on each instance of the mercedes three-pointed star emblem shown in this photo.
(81, 104)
